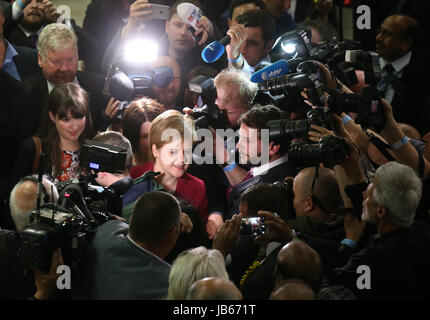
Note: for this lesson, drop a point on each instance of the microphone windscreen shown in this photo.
(212, 52)
(274, 70)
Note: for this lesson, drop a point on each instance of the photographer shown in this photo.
(246, 252)
(390, 204)
(180, 41)
(256, 150)
(235, 93)
(111, 180)
(401, 246)
(15, 282)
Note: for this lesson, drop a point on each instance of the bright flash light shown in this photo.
(288, 47)
(140, 51)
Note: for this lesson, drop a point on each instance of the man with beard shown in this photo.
(34, 16)
(269, 158)
(28, 22)
(403, 71)
(180, 41)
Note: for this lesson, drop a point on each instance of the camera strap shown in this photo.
(382, 147)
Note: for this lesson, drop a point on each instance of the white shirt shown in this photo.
(293, 5)
(28, 33)
(250, 70)
(399, 66)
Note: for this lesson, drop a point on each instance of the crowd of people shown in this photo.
(328, 227)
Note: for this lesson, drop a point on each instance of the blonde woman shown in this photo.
(170, 140)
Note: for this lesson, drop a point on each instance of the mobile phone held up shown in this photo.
(159, 12)
(252, 227)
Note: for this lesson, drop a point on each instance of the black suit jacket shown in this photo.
(26, 62)
(17, 37)
(274, 174)
(411, 96)
(37, 90)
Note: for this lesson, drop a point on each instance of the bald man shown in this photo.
(169, 96)
(317, 203)
(294, 289)
(214, 289)
(298, 260)
(23, 199)
(403, 71)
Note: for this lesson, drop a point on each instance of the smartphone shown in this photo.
(159, 11)
(252, 227)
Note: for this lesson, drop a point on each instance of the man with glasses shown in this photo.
(403, 71)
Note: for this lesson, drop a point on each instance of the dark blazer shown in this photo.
(411, 96)
(260, 283)
(26, 62)
(16, 36)
(37, 90)
(15, 125)
(274, 174)
(115, 268)
(87, 46)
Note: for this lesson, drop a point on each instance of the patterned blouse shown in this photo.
(69, 166)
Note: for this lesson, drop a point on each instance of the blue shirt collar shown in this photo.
(10, 53)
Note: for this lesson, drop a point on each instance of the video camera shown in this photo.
(81, 208)
(52, 227)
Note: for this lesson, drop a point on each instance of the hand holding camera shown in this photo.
(226, 236)
(45, 283)
(276, 229)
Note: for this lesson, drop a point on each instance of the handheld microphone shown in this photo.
(214, 50)
(274, 70)
(189, 14)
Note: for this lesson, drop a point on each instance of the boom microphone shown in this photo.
(274, 70)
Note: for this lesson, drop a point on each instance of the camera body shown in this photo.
(287, 130)
(207, 113)
(330, 151)
(81, 208)
(366, 104)
(48, 231)
(287, 89)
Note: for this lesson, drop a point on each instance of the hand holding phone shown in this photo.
(252, 227)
